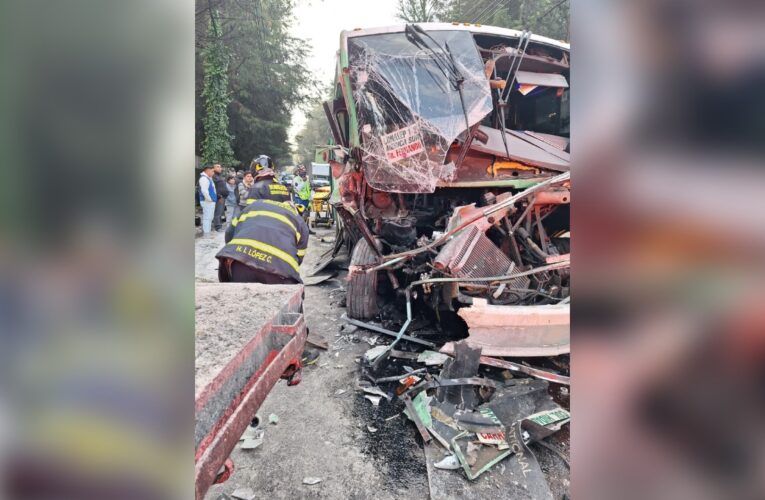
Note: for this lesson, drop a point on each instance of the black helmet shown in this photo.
(260, 163)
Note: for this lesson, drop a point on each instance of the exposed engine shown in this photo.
(531, 233)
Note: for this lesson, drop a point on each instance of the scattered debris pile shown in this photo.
(472, 412)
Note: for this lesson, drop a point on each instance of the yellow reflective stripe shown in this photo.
(263, 247)
(284, 204)
(300, 253)
(273, 215)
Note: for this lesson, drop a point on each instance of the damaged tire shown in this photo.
(361, 297)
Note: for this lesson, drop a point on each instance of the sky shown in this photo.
(320, 22)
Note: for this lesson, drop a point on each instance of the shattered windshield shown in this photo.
(409, 105)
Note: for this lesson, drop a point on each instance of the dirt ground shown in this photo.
(326, 428)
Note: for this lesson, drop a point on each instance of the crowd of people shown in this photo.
(266, 231)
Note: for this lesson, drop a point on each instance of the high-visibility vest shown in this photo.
(305, 191)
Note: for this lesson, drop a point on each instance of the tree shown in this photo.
(543, 17)
(315, 132)
(216, 146)
(419, 11)
(268, 78)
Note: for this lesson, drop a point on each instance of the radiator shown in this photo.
(471, 254)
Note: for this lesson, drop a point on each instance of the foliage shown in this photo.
(419, 11)
(315, 132)
(216, 145)
(267, 75)
(549, 18)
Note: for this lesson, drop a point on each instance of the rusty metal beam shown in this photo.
(228, 403)
(507, 331)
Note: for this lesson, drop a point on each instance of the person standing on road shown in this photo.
(222, 190)
(207, 198)
(243, 191)
(231, 198)
(301, 190)
(266, 243)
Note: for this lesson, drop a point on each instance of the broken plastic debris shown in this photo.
(311, 480)
(273, 419)
(432, 358)
(340, 392)
(375, 352)
(421, 405)
(375, 400)
(371, 429)
(376, 391)
(249, 433)
(448, 463)
(244, 494)
(476, 459)
(253, 441)
(552, 419)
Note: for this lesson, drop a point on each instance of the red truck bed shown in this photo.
(248, 336)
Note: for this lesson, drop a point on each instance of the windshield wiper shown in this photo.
(515, 65)
(417, 36)
(446, 65)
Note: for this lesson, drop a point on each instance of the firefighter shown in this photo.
(260, 163)
(266, 243)
(266, 187)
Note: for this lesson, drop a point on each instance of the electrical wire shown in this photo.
(489, 6)
(470, 11)
(492, 14)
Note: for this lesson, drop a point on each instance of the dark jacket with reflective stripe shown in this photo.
(269, 189)
(269, 236)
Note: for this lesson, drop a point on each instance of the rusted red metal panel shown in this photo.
(516, 330)
(225, 407)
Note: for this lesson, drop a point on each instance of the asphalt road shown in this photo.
(326, 428)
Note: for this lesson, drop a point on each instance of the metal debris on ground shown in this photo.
(376, 391)
(432, 358)
(375, 400)
(478, 416)
(317, 341)
(399, 378)
(317, 280)
(375, 352)
(244, 494)
(311, 480)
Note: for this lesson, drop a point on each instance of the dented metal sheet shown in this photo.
(521, 150)
(541, 79)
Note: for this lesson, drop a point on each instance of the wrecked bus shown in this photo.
(451, 179)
